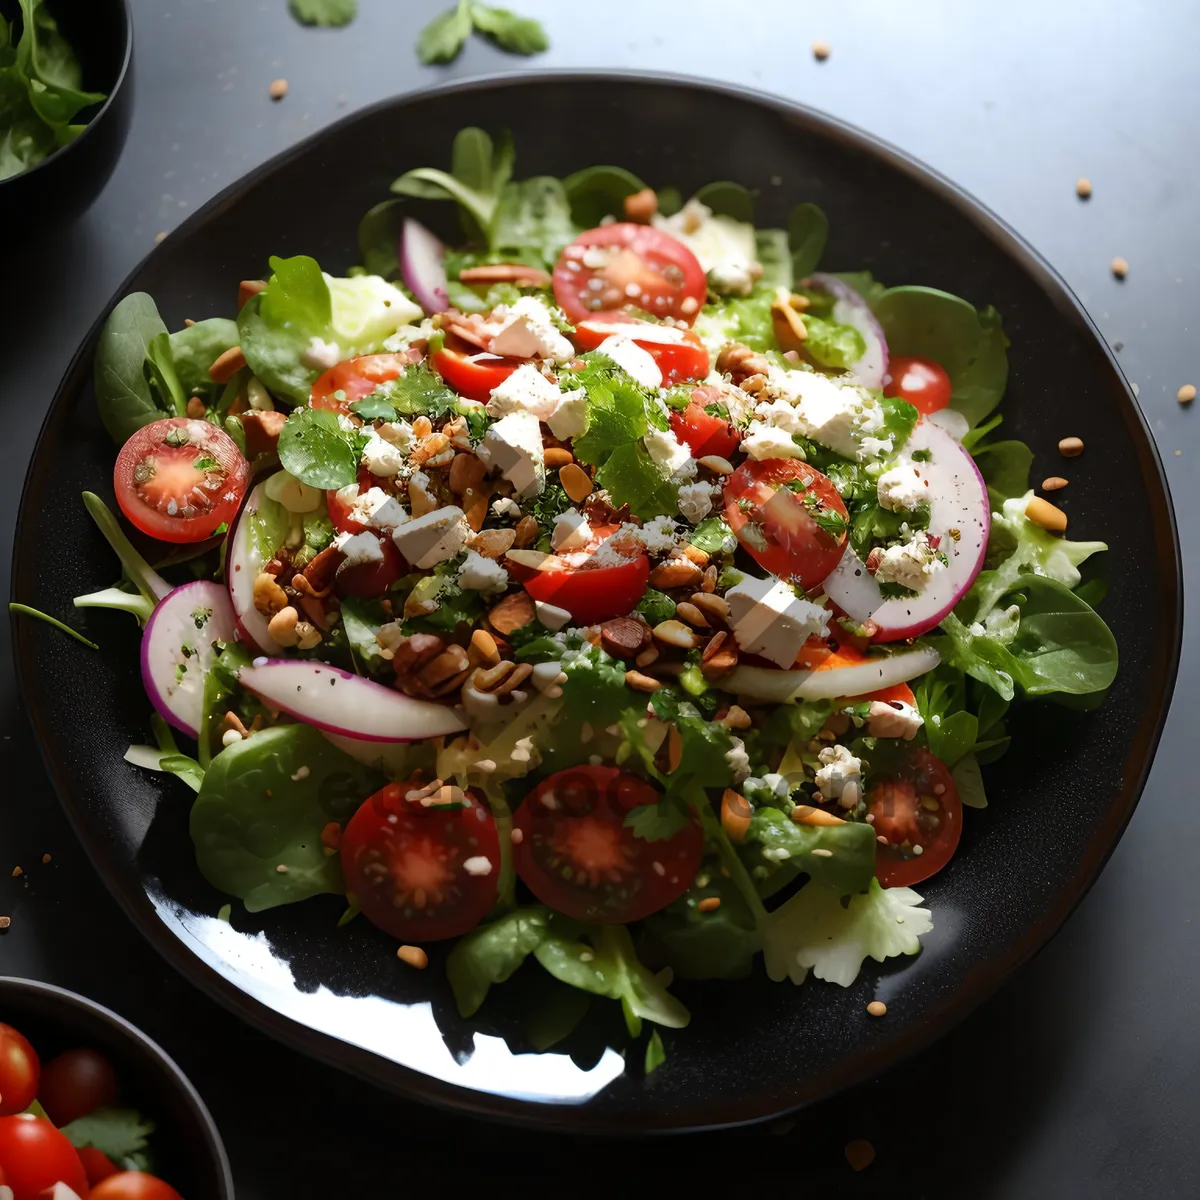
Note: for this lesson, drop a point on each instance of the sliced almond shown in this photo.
(537, 560)
(557, 456)
(677, 634)
(513, 612)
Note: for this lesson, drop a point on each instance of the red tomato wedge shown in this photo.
(19, 1072)
(179, 479)
(774, 507)
(704, 433)
(421, 874)
(472, 373)
(626, 266)
(355, 379)
(921, 381)
(35, 1156)
(577, 855)
(920, 814)
(680, 353)
(372, 579)
(134, 1185)
(339, 515)
(592, 592)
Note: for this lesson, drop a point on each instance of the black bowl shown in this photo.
(63, 185)
(1058, 802)
(188, 1152)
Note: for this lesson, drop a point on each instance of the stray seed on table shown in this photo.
(860, 1154)
(159, 237)
(1119, 268)
(877, 1008)
(414, 956)
(1070, 447)
(17, 873)
(821, 50)
(5, 922)
(45, 858)
(1186, 394)
(1053, 483)
(278, 89)
(1083, 188)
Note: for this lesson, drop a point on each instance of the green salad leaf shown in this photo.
(443, 38)
(1005, 468)
(119, 1133)
(331, 13)
(598, 192)
(655, 1054)
(832, 344)
(720, 944)
(196, 347)
(808, 231)
(774, 253)
(517, 35)
(727, 199)
(533, 214)
(491, 953)
(317, 450)
(257, 811)
(844, 857)
(361, 619)
(124, 395)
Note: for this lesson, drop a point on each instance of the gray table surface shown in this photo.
(1078, 1079)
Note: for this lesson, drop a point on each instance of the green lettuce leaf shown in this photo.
(196, 347)
(492, 953)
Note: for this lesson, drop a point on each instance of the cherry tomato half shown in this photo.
(623, 266)
(19, 1071)
(789, 517)
(34, 1156)
(472, 373)
(339, 514)
(96, 1164)
(921, 381)
(592, 593)
(74, 1083)
(680, 353)
(134, 1185)
(355, 379)
(702, 432)
(918, 810)
(178, 479)
(421, 874)
(577, 855)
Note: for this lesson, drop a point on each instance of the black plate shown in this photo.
(754, 1049)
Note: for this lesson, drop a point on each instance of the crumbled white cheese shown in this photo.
(513, 446)
(527, 331)
(902, 487)
(842, 417)
(838, 769)
(525, 390)
(658, 536)
(769, 619)
(738, 760)
(571, 531)
(359, 548)
(893, 719)
(399, 433)
(321, 355)
(376, 507)
(407, 334)
(570, 418)
(382, 458)
(636, 362)
(695, 501)
(550, 615)
(506, 507)
(911, 564)
(724, 247)
(433, 538)
(479, 574)
(477, 865)
(672, 456)
(768, 441)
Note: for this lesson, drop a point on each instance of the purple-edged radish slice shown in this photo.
(959, 518)
(422, 264)
(243, 564)
(179, 647)
(857, 679)
(339, 702)
(849, 308)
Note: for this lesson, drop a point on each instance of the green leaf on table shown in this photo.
(516, 34)
(443, 38)
(330, 13)
(116, 1132)
(318, 451)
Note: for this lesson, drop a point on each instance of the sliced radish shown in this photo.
(856, 679)
(392, 758)
(849, 308)
(422, 263)
(179, 647)
(339, 702)
(243, 565)
(959, 515)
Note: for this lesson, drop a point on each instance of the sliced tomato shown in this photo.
(96, 1164)
(703, 432)
(134, 1185)
(19, 1072)
(421, 874)
(472, 373)
(369, 580)
(775, 506)
(627, 266)
(921, 381)
(179, 479)
(339, 514)
(595, 591)
(577, 855)
(35, 1156)
(680, 353)
(355, 379)
(919, 813)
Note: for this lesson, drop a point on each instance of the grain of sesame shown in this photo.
(877, 1008)
(860, 1154)
(281, 869)
(1119, 268)
(1083, 188)
(1186, 394)
(1070, 447)
(821, 50)
(278, 89)
(414, 956)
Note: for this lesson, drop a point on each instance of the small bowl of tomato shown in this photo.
(79, 1088)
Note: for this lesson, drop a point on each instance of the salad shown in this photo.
(612, 590)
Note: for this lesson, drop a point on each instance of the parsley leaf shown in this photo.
(418, 390)
(330, 13)
(517, 35)
(656, 606)
(710, 535)
(443, 38)
(318, 451)
(375, 407)
(116, 1132)
(616, 410)
(632, 477)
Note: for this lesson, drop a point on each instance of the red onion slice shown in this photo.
(422, 264)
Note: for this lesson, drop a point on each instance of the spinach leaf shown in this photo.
(222, 692)
(598, 192)
(480, 170)
(317, 450)
(123, 393)
(720, 944)
(771, 247)
(196, 347)
(656, 606)
(808, 231)
(517, 35)
(324, 12)
(970, 344)
(378, 234)
(848, 867)
(253, 815)
(492, 953)
(443, 38)
(728, 199)
(1005, 468)
(534, 214)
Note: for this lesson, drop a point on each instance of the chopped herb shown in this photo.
(922, 455)
(206, 463)
(200, 616)
(375, 407)
(897, 591)
(41, 616)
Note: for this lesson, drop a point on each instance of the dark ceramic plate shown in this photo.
(1059, 801)
(187, 1148)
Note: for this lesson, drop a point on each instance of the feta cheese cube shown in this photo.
(902, 488)
(550, 615)
(840, 772)
(382, 458)
(571, 531)
(359, 548)
(528, 331)
(320, 355)
(433, 538)
(839, 416)
(569, 420)
(910, 564)
(769, 619)
(525, 390)
(725, 247)
(479, 574)
(893, 719)
(769, 441)
(672, 456)
(506, 507)
(399, 433)
(695, 501)
(636, 362)
(384, 511)
(513, 446)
